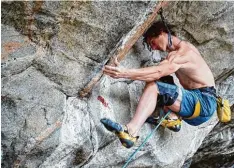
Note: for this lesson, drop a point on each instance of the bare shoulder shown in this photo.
(184, 56)
(187, 47)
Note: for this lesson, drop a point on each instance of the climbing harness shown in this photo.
(146, 139)
(196, 112)
(165, 24)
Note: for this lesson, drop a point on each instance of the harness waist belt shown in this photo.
(210, 90)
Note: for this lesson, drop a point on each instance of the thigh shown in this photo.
(188, 102)
(168, 94)
(176, 106)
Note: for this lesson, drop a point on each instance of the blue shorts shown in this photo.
(168, 93)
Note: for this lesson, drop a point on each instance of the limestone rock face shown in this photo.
(51, 49)
(208, 25)
(217, 148)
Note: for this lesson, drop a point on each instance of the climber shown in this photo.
(194, 102)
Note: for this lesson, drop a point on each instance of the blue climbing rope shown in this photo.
(144, 142)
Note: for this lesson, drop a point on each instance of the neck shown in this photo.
(175, 43)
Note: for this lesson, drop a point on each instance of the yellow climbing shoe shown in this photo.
(172, 124)
(125, 138)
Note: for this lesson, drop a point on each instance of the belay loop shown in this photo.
(165, 24)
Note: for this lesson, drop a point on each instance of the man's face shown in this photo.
(157, 43)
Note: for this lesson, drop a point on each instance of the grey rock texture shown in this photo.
(217, 149)
(49, 51)
(209, 26)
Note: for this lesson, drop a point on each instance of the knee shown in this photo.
(151, 86)
(148, 84)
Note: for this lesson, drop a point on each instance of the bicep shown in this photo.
(180, 62)
(163, 69)
(168, 68)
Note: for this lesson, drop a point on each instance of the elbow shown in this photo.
(172, 69)
(159, 75)
(169, 71)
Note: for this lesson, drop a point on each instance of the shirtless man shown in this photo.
(194, 75)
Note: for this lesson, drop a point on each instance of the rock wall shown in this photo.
(217, 148)
(49, 50)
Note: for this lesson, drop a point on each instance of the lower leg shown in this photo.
(175, 107)
(172, 115)
(145, 108)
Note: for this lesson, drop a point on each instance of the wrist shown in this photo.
(128, 73)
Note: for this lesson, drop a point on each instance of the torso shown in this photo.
(195, 73)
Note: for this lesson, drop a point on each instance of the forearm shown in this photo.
(144, 74)
(141, 72)
(150, 73)
(150, 76)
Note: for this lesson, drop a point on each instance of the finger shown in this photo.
(116, 69)
(111, 73)
(116, 61)
(110, 68)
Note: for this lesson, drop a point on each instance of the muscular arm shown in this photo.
(147, 74)
(153, 73)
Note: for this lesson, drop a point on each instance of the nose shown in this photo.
(154, 47)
